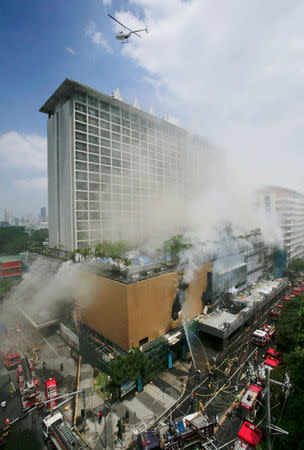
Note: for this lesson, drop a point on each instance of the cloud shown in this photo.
(31, 183)
(70, 50)
(22, 151)
(97, 37)
(228, 76)
(107, 2)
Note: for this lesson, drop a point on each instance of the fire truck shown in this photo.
(57, 435)
(263, 335)
(297, 291)
(11, 358)
(250, 402)
(272, 353)
(29, 384)
(248, 437)
(51, 393)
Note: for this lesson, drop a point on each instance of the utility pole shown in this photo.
(268, 412)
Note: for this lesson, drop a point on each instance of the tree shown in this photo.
(174, 246)
(130, 366)
(294, 268)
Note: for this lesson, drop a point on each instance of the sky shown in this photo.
(230, 71)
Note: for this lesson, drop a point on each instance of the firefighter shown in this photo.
(3, 405)
(100, 416)
(44, 364)
(256, 355)
(210, 388)
(192, 399)
(127, 416)
(61, 367)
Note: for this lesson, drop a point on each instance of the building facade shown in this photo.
(288, 207)
(106, 159)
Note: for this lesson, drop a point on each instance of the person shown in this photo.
(44, 365)
(127, 416)
(3, 404)
(229, 414)
(236, 388)
(61, 367)
(100, 416)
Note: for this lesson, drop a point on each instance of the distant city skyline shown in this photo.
(236, 88)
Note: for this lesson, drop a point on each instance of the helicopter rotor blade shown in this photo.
(113, 18)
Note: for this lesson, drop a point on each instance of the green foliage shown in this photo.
(129, 366)
(6, 285)
(294, 268)
(14, 240)
(108, 249)
(27, 440)
(291, 343)
(174, 246)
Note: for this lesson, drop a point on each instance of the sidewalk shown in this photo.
(143, 407)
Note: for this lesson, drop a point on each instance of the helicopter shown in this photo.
(124, 35)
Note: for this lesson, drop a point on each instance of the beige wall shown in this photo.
(127, 313)
(150, 306)
(106, 309)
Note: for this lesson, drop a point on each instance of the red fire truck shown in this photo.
(250, 402)
(272, 353)
(297, 291)
(10, 359)
(248, 437)
(51, 393)
(263, 335)
(29, 384)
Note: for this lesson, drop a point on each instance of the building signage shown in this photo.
(127, 387)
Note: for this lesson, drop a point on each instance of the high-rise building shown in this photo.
(288, 206)
(43, 212)
(106, 159)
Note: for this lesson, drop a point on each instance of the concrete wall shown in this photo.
(104, 308)
(52, 181)
(127, 313)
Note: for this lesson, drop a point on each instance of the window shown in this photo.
(126, 131)
(116, 120)
(81, 195)
(81, 165)
(126, 139)
(82, 205)
(94, 215)
(116, 136)
(116, 145)
(116, 128)
(94, 196)
(105, 133)
(115, 110)
(94, 177)
(105, 161)
(116, 154)
(81, 117)
(105, 124)
(81, 146)
(94, 206)
(82, 215)
(81, 136)
(93, 139)
(80, 97)
(82, 225)
(104, 106)
(81, 235)
(93, 158)
(82, 185)
(93, 149)
(92, 101)
(94, 130)
(81, 156)
(126, 164)
(116, 170)
(93, 168)
(105, 151)
(80, 126)
(94, 187)
(116, 162)
(105, 169)
(143, 341)
(105, 142)
(125, 123)
(80, 107)
(93, 112)
(83, 176)
(93, 121)
(104, 115)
